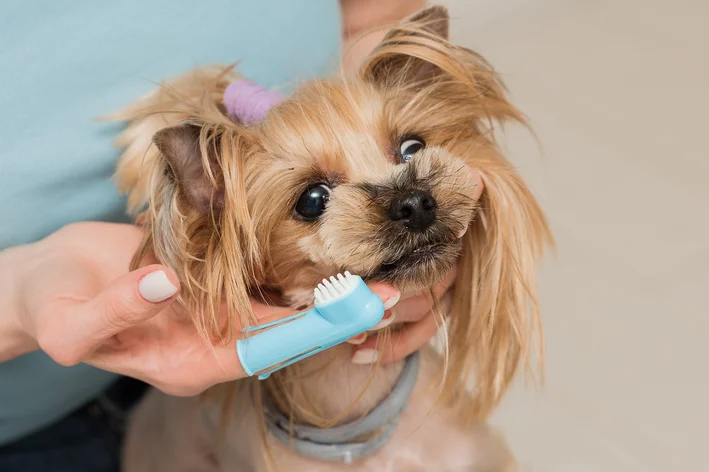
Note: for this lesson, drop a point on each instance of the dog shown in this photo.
(393, 174)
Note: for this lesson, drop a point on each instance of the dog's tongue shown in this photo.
(249, 103)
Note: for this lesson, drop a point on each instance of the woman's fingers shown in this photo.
(414, 308)
(187, 373)
(183, 363)
(409, 309)
(399, 344)
(78, 327)
(411, 337)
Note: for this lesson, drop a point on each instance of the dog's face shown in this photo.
(393, 175)
(341, 179)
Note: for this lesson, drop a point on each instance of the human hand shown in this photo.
(73, 298)
(415, 324)
(366, 22)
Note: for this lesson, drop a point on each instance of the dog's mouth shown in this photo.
(421, 265)
(421, 254)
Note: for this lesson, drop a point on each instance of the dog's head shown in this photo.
(393, 175)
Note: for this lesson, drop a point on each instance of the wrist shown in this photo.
(14, 339)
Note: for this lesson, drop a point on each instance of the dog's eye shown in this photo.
(410, 146)
(311, 203)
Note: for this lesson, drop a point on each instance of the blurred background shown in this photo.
(618, 92)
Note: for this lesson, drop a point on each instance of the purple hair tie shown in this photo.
(247, 102)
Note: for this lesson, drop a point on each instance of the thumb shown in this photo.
(132, 299)
(128, 301)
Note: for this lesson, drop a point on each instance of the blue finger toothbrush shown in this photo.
(344, 307)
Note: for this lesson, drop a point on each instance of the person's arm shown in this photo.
(361, 16)
(13, 341)
(55, 293)
(71, 295)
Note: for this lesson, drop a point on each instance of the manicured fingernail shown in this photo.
(391, 301)
(365, 356)
(386, 321)
(461, 233)
(156, 287)
(359, 339)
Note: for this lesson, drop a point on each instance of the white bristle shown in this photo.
(332, 291)
(321, 294)
(336, 287)
(328, 285)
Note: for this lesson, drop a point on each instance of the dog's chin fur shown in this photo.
(221, 212)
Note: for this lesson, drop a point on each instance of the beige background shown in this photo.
(618, 92)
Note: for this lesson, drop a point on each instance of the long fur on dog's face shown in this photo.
(348, 137)
(224, 198)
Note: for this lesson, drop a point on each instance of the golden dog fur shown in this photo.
(217, 199)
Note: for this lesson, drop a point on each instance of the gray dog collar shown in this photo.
(341, 443)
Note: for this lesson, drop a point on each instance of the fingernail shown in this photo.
(156, 287)
(365, 356)
(386, 321)
(359, 339)
(391, 301)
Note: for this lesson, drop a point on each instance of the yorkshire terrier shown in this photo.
(394, 175)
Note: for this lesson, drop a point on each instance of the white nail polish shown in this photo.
(365, 356)
(156, 287)
(384, 323)
(357, 340)
(461, 233)
(390, 302)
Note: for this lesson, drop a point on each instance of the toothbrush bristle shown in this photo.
(321, 294)
(335, 287)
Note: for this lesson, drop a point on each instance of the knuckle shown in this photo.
(53, 338)
(51, 342)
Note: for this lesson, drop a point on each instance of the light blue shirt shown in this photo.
(63, 64)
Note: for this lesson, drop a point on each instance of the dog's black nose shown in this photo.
(415, 210)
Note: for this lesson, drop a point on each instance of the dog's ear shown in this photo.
(202, 227)
(391, 62)
(456, 95)
(193, 165)
(495, 324)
